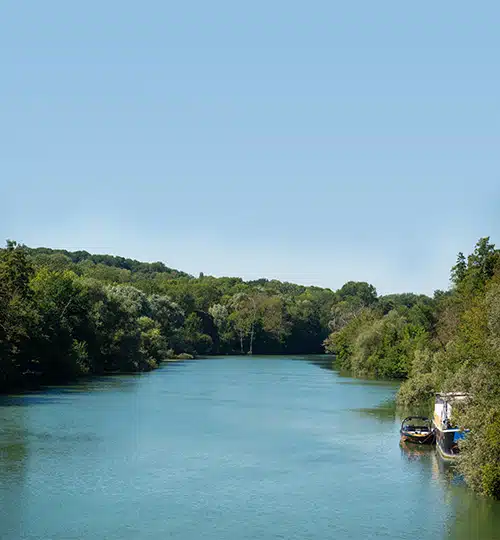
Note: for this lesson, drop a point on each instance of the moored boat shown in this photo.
(417, 429)
(448, 434)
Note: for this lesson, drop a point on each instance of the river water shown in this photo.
(225, 449)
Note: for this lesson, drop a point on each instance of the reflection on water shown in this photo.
(384, 412)
(430, 462)
(226, 449)
(474, 517)
(417, 452)
(28, 400)
(13, 463)
(468, 516)
(324, 361)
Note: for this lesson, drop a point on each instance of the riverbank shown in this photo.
(66, 315)
(448, 343)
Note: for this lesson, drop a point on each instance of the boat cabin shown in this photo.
(443, 408)
(448, 433)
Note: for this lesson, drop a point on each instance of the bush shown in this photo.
(417, 390)
(491, 480)
(184, 356)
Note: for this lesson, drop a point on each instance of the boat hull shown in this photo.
(418, 438)
(446, 444)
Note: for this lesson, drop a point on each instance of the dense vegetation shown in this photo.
(448, 343)
(66, 314)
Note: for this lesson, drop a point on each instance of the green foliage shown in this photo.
(168, 314)
(416, 390)
(450, 342)
(363, 292)
(378, 336)
(490, 480)
(67, 314)
(153, 343)
(43, 255)
(490, 470)
(56, 326)
(184, 356)
(459, 271)
(342, 342)
(18, 317)
(80, 358)
(192, 339)
(464, 355)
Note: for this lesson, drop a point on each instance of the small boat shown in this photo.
(417, 429)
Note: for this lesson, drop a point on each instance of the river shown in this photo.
(225, 449)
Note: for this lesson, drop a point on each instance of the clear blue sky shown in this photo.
(314, 142)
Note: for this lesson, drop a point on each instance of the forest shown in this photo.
(68, 314)
(65, 315)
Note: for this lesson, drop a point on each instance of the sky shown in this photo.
(314, 142)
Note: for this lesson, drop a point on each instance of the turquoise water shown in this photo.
(224, 448)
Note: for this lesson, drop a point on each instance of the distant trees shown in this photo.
(378, 336)
(230, 315)
(67, 314)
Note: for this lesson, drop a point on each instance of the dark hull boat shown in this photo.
(417, 430)
(447, 442)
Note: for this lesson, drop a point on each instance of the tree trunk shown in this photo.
(253, 325)
(250, 351)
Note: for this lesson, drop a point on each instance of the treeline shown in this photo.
(450, 342)
(108, 267)
(67, 314)
(64, 314)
